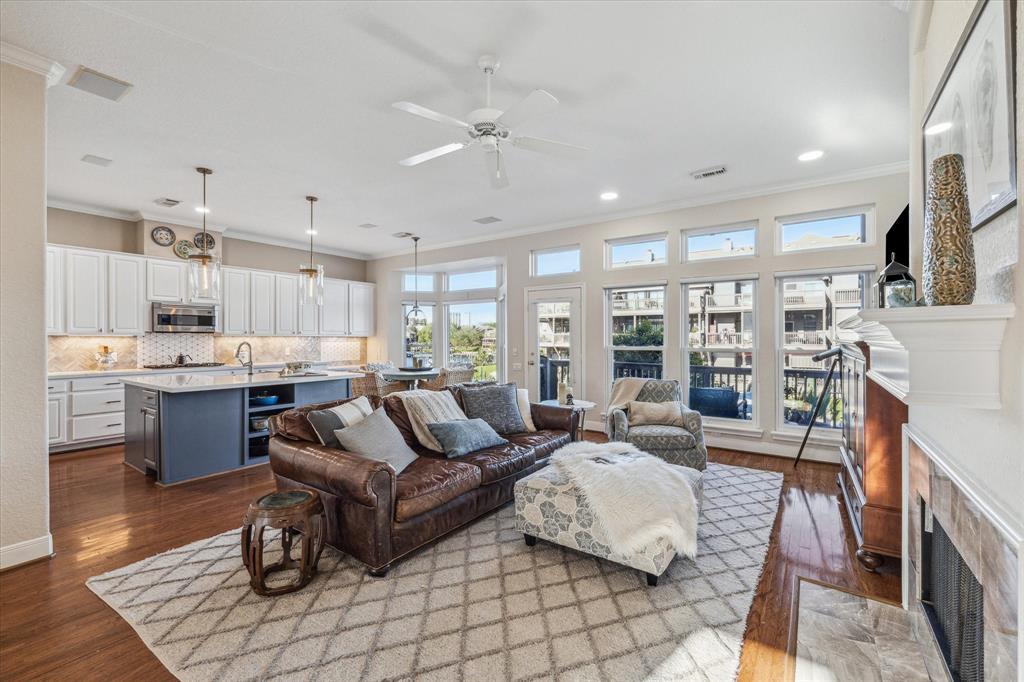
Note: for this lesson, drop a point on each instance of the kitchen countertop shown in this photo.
(185, 383)
(133, 371)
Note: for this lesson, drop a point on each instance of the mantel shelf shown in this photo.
(945, 355)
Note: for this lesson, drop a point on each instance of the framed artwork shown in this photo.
(971, 113)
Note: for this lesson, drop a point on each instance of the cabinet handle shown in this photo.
(115, 383)
(113, 402)
(117, 424)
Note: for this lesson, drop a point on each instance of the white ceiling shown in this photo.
(284, 99)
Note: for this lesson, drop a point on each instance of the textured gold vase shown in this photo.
(949, 274)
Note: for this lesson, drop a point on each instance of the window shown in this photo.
(473, 338)
(557, 261)
(720, 242)
(636, 332)
(812, 307)
(479, 279)
(826, 230)
(634, 251)
(411, 282)
(720, 348)
(418, 338)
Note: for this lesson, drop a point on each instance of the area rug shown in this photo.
(478, 605)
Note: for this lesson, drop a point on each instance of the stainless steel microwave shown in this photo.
(184, 318)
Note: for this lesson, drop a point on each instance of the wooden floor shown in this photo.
(105, 515)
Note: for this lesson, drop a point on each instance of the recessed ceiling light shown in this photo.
(609, 196)
(202, 209)
(99, 84)
(487, 220)
(368, 226)
(166, 201)
(402, 235)
(938, 128)
(813, 155)
(97, 160)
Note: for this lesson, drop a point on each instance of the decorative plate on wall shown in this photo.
(183, 248)
(164, 236)
(210, 241)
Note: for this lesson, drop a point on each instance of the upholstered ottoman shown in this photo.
(549, 507)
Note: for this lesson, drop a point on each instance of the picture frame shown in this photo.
(972, 111)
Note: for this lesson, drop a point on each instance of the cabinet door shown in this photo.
(54, 292)
(151, 439)
(57, 421)
(127, 309)
(335, 319)
(165, 281)
(261, 294)
(309, 320)
(85, 292)
(286, 308)
(235, 313)
(360, 309)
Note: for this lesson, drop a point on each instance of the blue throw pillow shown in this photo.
(465, 436)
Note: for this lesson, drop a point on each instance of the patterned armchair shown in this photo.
(677, 445)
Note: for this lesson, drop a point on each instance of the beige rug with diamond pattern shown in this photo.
(479, 605)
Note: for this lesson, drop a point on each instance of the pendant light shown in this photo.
(311, 277)
(203, 267)
(415, 313)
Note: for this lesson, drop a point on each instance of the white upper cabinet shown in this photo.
(361, 302)
(261, 295)
(165, 281)
(85, 292)
(334, 319)
(309, 320)
(236, 308)
(127, 307)
(54, 292)
(286, 291)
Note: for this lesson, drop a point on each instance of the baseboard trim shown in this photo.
(25, 551)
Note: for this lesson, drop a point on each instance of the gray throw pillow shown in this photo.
(326, 422)
(496, 405)
(464, 436)
(377, 437)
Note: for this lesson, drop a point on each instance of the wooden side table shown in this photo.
(296, 513)
(580, 406)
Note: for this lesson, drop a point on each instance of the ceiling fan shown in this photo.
(490, 129)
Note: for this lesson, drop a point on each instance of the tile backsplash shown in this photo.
(160, 349)
(75, 353)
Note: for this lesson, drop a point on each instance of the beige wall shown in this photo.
(24, 489)
(91, 231)
(887, 194)
(246, 254)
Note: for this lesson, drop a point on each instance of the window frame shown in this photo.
(446, 285)
(609, 244)
(433, 283)
(609, 333)
(553, 250)
(865, 210)
(686, 233)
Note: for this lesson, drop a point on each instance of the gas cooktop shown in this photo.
(185, 366)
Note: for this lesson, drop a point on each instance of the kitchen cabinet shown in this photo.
(127, 307)
(334, 320)
(286, 296)
(165, 280)
(85, 292)
(361, 300)
(261, 296)
(309, 320)
(236, 308)
(54, 292)
(57, 420)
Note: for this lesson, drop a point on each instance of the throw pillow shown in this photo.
(661, 414)
(462, 437)
(377, 438)
(326, 422)
(430, 407)
(496, 405)
(523, 398)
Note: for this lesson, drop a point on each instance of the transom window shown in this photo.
(556, 261)
(413, 282)
(477, 279)
(729, 241)
(636, 332)
(636, 251)
(825, 230)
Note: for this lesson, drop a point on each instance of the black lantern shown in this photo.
(896, 286)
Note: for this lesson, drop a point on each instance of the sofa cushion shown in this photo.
(464, 436)
(429, 482)
(652, 437)
(293, 424)
(543, 442)
(496, 405)
(500, 461)
(395, 409)
(430, 407)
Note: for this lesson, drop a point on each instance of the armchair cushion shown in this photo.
(659, 414)
(657, 437)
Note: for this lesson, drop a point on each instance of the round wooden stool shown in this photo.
(295, 512)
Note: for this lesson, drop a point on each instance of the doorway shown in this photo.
(554, 341)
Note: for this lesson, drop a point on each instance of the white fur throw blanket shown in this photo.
(636, 497)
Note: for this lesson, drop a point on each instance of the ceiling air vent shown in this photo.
(487, 220)
(402, 235)
(99, 84)
(705, 173)
(169, 203)
(97, 160)
(368, 226)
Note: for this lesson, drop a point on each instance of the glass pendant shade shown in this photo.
(204, 276)
(311, 284)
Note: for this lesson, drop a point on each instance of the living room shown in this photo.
(466, 368)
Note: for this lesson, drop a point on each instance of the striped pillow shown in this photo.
(326, 422)
(430, 407)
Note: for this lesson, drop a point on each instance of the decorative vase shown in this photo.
(949, 274)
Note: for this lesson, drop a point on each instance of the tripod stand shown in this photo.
(837, 355)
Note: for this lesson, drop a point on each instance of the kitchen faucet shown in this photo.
(238, 355)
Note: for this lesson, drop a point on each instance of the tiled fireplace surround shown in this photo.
(987, 547)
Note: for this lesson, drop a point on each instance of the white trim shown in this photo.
(637, 285)
(712, 279)
(838, 270)
(556, 249)
(30, 61)
(713, 425)
(26, 550)
(649, 238)
(232, 233)
(794, 435)
(65, 205)
(741, 226)
(580, 384)
(865, 210)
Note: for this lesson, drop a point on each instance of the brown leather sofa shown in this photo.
(377, 516)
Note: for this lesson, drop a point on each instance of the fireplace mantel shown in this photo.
(936, 355)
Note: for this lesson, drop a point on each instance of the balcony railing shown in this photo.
(638, 304)
(745, 338)
(553, 339)
(805, 338)
(722, 301)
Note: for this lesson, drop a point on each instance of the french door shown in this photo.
(554, 341)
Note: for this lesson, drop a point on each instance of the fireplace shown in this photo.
(953, 601)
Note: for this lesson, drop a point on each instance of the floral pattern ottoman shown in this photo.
(549, 507)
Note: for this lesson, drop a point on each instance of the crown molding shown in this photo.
(30, 61)
(879, 171)
(78, 207)
(290, 244)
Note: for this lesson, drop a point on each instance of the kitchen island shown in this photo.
(184, 426)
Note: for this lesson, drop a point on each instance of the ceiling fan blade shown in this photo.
(539, 144)
(417, 110)
(536, 103)
(433, 154)
(496, 169)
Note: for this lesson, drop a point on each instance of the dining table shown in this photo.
(411, 377)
